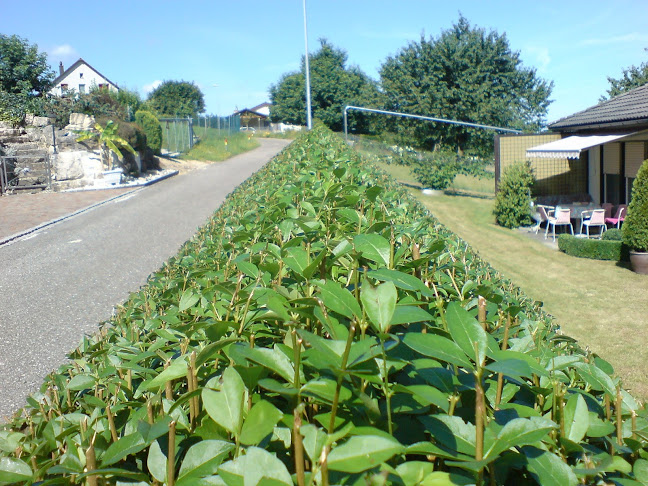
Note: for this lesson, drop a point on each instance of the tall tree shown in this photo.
(633, 77)
(23, 70)
(333, 86)
(177, 98)
(465, 74)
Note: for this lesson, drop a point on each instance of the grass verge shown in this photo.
(213, 146)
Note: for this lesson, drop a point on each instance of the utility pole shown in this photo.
(309, 118)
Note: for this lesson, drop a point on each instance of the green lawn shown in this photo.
(212, 146)
(602, 304)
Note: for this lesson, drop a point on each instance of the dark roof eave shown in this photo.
(612, 125)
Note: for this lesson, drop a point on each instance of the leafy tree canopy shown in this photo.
(23, 70)
(633, 77)
(465, 74)
(177, 98)
(333, 86)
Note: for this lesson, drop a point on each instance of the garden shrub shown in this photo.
(437, 170)
(635, 226)
(613, 234)
(152, 128)
(604, 249)
(513, 198)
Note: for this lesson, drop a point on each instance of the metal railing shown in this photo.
(15, 176)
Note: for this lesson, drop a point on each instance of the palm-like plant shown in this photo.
(109, 141)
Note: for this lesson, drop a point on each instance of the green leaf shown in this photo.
(519, 432)
(157, 462)
(413, 472)
(467, 332)
(339, 300)
(451, 432)
(260, 422)
(441, 478)
(177, 369)
(296, 259)
(255, 467)
(640, 470)
(14, 470)
(129, 444)
(437, 347)
(202, 459)
(407, 314)
(402, 280)
(596, 378)
(189, 299)
(373, 247)
(576, 418)
(350, 215)
(548, 469)
(248, 268)
(81, 382)
(273, 359)
(428, 395)
(379, 304)
(363, 452)
(225, 407)
(314, 441)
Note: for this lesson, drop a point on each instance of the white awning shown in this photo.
(570, 147)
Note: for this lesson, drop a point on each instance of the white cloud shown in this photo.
(618, 39)
(147, 88)
(64, 53)
(538, 57)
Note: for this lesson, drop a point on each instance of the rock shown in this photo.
(76, 165)
(79, 121)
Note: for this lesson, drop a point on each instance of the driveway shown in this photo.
(61, 282)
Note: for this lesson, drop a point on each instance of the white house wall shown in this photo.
(82, 75)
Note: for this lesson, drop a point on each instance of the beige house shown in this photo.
(80, 77)
(591, 155)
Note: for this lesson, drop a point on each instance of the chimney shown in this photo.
(61, 70)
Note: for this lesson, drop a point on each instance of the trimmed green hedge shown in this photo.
(323, 328)
(595, 249)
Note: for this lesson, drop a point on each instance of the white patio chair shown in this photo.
(592, 218)
(562, 218)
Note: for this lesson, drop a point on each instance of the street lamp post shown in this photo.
(309, 119)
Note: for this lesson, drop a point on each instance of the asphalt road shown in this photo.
(60, 283)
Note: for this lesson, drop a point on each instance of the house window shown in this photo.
(82, 89)
(629, 182)
(612, 193)
(81, 75)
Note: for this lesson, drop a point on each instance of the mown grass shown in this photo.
(215, 146)
(602, 304)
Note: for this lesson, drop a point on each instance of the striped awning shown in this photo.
(569, 147)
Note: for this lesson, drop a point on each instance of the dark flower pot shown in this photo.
(639, 261)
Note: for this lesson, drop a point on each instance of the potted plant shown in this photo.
(635, 226)
(109, 142)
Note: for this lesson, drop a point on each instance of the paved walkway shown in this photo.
(60, 282)
(21, 212)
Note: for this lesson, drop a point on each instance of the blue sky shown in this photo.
(243, 47)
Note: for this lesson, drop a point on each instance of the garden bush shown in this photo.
(152, 128)
(436, 170)
(323, 328)
(635, 226)
(603, 249)
(613, 234)
(513, 198)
